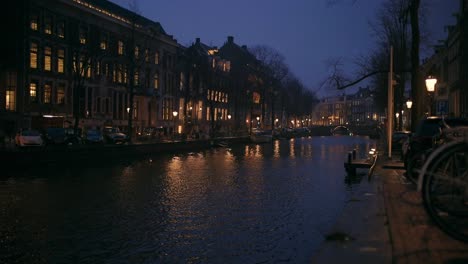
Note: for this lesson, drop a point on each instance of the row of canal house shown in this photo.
(92, 63)
(449, 65)
(358, 109)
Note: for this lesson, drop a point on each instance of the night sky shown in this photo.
(306, 32)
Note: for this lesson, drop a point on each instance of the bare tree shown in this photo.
(275, 71)
(405, 10)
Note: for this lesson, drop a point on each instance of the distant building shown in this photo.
(357, 109)
(80, 59)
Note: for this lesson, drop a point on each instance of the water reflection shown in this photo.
(254, 203)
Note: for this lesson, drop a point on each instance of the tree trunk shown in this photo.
(417, 93)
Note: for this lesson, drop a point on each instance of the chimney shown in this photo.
(230, 39)
(244, 47)
(197, 40)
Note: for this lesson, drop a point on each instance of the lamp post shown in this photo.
(409, 104)
(430, 86)
(174, 113)
(229, 124)
(397, 120)
(258, 121)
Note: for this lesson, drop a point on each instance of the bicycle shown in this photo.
(443, 181)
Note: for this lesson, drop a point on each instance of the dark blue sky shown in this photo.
(306, 32)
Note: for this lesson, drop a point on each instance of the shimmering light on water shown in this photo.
(245, 204)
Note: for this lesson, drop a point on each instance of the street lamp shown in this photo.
(174, 113)
(430, 86)
(398, 120)
(409, 104)
(229, 116)
(258, 121)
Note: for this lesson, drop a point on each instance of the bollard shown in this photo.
(354, 154)
(349, 157)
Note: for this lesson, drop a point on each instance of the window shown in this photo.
(181, 81)
(104, 41)
(33, 92)
(48, 25)
(61, 60)
(146, 55)
(61, 29)
(10, 100)
(61, 93)
(33, 55)
(83, 35)
(156, 80)
(47, 93)
(137, 52)
(137, 77)
(34, 22)
(120, 47)
(98, 68)
(156, 57)
(47, 59)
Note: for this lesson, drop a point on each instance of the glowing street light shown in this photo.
(174, 113)
(430, 86)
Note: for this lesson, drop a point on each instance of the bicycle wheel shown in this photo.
(413, 165)
(445, 190)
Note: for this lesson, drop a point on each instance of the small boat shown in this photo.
(261, 136)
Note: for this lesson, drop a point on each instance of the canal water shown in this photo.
(255, 203)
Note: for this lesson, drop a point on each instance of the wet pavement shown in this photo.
(386, 223)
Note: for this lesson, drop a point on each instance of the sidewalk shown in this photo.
(386, 223)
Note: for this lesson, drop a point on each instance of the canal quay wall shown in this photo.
(13, 157)
(385, 222)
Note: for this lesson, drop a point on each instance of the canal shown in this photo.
(252, 203)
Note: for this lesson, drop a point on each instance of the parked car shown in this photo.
(61, 136)
(29, 138)
(93, 136)
(112, 135)
(424, 139)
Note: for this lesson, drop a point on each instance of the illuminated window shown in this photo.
(48, 25)
(137, 77)
(10, 100)
(156, 57)
(125, 78)
(103, 44)
(34, 22)
(156, 80)
(61, 29)
(61, 93)
(83, 35)
(181, 81)
(47, 59)
(98, 68)
(61, 60)
(47, 93)
(137, 52)
(33, 55)
(33, 92)
(146, 55)
(120, 47)
(213, 63)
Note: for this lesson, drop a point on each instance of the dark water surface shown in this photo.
(265, 203)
